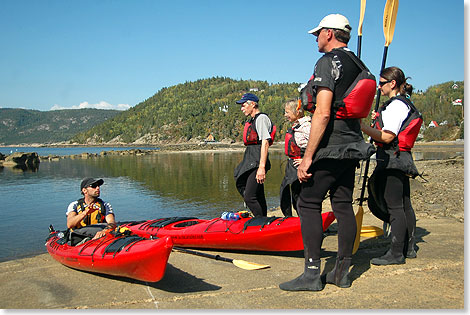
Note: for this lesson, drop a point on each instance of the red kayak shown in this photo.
(116, 254)
(256, 234)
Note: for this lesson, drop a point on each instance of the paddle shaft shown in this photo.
(359, 28)
(389, 15)
(359, 46)
(216, 257)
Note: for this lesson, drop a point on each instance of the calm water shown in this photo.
(44, 151)
(145, 187)
(166, 184)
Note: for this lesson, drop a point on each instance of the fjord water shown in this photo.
(159, 185)
(138, 187)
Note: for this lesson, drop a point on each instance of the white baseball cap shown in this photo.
(336, 21)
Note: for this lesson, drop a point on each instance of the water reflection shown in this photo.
(143, 187)
(436, 155)
(152, 186)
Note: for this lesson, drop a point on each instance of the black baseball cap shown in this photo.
(90, 181)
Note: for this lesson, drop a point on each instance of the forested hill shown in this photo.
(23, 126)
(195, 110)
(192, 110)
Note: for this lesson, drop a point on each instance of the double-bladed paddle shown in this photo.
(390, 17)
(237, 262)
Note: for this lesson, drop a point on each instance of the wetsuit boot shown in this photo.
(394, 256)
(310, 280)
(339, 275)
(411, 251)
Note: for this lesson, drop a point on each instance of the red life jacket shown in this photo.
(353, 102)
(291, 148)
(409, 129)
(250, 135)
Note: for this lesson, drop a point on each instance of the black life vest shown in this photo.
(351, 101)
(409, 129)
(250, 135)
(291, 148)
(98, 216)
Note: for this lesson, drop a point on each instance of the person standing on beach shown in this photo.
(295, 143)
(90, 209)
(335, 147)
(250, 174)
(397, 124)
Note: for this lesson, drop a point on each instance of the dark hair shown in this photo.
(395, 73)
(341, 35)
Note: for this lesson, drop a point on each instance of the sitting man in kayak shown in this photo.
(90, 209)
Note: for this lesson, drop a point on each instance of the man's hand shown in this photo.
(302, 171)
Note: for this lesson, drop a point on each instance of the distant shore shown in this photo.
(202, 144)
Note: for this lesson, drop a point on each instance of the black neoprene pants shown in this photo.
(402, 215)
(336, 176)
(254, 195)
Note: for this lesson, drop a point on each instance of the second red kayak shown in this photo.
(256, 234)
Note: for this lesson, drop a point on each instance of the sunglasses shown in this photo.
(94, 185)
(382, 83)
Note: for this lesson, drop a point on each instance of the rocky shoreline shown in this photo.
(439, 192)
(434, 280)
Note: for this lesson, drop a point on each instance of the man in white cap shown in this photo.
(333, 151)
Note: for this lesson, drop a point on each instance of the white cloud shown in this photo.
(100, 105)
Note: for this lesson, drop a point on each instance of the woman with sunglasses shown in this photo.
(396, 126)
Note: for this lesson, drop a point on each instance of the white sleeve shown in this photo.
(302, 133)
(109, 209)
(263, 125)
(72, 207)
(394, 115)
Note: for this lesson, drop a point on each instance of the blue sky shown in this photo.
(115, 54)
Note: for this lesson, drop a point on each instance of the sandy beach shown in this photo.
(434, 280)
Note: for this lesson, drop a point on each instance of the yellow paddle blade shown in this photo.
(390, 17)
(361, 18)
(357, 240)
(369, 231)
(248, 265)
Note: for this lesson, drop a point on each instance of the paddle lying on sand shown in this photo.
(390, 17)
(237, 262)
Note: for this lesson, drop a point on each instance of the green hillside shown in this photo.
(193, 109)
(23, 126)
(436, 104)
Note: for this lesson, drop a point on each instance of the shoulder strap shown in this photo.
(354, 58)
(81, 202)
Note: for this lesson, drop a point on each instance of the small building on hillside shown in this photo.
(433, 124)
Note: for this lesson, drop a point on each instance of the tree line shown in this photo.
(195, 110)
(207, 107)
